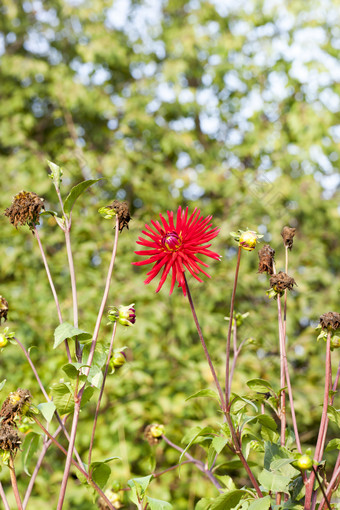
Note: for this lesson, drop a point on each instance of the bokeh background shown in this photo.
(232, 107)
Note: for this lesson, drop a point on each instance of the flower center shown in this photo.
(171, 241)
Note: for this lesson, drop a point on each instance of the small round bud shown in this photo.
(157, 430)
(248, 240)
(304, 462)
(125, 315)
(153, 433)
(118, 359)
(3, 340)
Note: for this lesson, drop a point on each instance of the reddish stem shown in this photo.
(3, 497)
(14, 482)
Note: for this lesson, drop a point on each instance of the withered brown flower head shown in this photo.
(288, 234)
(25, 209)
(281, 281)
(266, 259)
(15, 404)
(123, 213)
(3, 309)
(9, 438)
(330, 320)
(150, 437)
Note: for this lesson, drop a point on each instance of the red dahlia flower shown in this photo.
(175, 246)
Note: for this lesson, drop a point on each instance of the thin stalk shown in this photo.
(3, 497)
(75, 463)
(47, 269)
(323, 423)
(44, 392)
(332, 484)
(200, 334)
(104, 299)
(14, 482)
(321, 487)
(160, 473)
(101, 393)
(199, 464)
(73, 283)
(227, 386)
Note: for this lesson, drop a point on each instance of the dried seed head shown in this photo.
(25, 209)
(3, 309)
(153, 433)
(281, 281)
(16, 404)
(122, 211)
(266, 259)
(288, 234)
(9, 438)
(330, 321)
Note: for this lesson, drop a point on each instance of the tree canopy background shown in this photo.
(232, 107)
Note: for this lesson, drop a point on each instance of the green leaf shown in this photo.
(204, 504)
(100, 473)
(75, 193)
(259, 385)
(228, 500)
(267, 421)
(47, 409)
(334, 444)
(334, 415)
(141, 484)
(211, 456)
(274, 482)
(219, 443)
(29, 447)
(99, 356)
(201, 432)
(56, 173)
(2, 384)
(66, 330)
(260, 504)
(157, 504)
(204, 393)
(63, 397)
(95, 377)
(87, 395)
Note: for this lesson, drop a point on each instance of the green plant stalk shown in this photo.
(73, 283)
(3, 497)
(78, 466)
(198, 463)
(101, 393)
(227, 366)
(200, 334)
(321, 487)
(323, 424)
(41, 386)
(14, 482)
(78, 397)
(49, 277)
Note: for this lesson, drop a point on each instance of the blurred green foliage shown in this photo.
(230, 107)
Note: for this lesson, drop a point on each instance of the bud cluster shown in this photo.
(125, 315)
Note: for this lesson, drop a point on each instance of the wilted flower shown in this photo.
(25, 209)
(9, 438)
(281, 281)
(266, 259)
(175, 246)
(288, 234)
(121, 209)
(125, 315)
(330, 321)
(3, 309)
(16, 404)
(246, 239)
(153, 433)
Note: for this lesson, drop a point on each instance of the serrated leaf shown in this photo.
(274, 482)
(66, 331)
(228, 500)
(157, 504)
(260, 504)
(100, 473)
(47, 409)
(278, 464)
(29, 447)
(75, 193)
(63, 398)
(259, 385)
(267, 421)
(334, 444)
(56, 173)
(141, 484)
(204, 393)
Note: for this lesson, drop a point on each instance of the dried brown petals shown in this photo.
(123, 213)
(266, 259)
(3, 309)
(330, 321)
(25, 209)
(281, 281)
(9, 438)
(16, 404)
(150, 436)
(288, 234)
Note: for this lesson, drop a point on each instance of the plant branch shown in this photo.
(227, 385)
(3, 497)
(101, 392)
(14, 482)
(200, 334)
(321, 487)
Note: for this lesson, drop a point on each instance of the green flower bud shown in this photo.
(157, 430)
(304, 462)
(248, 240)
(125, 315)
(107, 212)
(3, 340)
(118, 359)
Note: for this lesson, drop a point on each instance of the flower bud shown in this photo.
(157, 430)
(153, 433)
(118, 359)
(304, 462)
(125, 315)
(248, 240)
(3, 341)
(121, 209)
